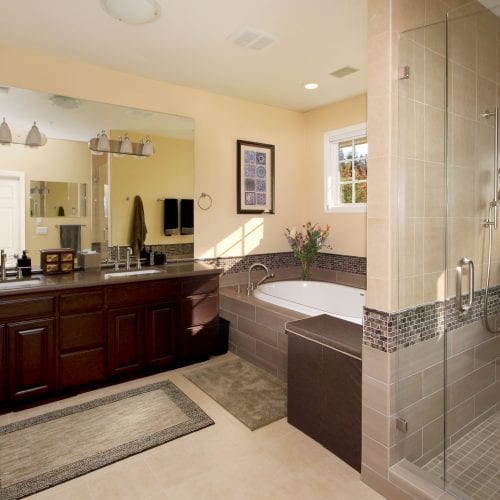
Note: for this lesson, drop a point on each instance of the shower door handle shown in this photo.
(464, 261)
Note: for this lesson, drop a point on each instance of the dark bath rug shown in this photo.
(42, 451)
(255, 397)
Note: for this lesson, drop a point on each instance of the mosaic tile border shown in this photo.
(334, 262)
(389, 332)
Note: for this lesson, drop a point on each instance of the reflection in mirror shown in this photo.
(108, 181)
(58, 199)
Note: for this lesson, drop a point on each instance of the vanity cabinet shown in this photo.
(199, 317)
(29, 358)
(2, 363)
(82, 336)
(142, 333)
(32, 359)
(160, 338)
(74, 336)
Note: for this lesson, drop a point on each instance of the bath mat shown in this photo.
(45, 450)
(255, 397)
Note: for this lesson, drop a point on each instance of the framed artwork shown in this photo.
(255, 177)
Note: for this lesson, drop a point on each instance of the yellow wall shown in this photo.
(67, 161)
(219, 122)
(348, 233)
(168, 173)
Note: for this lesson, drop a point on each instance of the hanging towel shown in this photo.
(60, 212)
(71, 236)
(187, 216)
(139, 229)
(170, 216)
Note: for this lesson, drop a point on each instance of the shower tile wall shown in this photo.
(414, 273)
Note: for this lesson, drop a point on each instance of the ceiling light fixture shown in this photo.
(311, 86)
(132, 11)
(121, 146)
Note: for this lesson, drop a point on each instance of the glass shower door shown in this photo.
(471, 456)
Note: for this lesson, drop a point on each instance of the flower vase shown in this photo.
(306, 271)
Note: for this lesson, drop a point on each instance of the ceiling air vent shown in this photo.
(341, 72)
(252, 39)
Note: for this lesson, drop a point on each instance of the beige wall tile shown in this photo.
(434, 239)
(375, 455)
(433, 436)
(434, 133)
(380, 483)
(487, 399)
(472, 383)
(377, 426)
(462, 42)
(409, 390)
(435, 88)
(458, 417)
(378, 294)
(409, 447)
(379, 365)
(434, 190)
(463, 100)
(423, 412)
(376, 395)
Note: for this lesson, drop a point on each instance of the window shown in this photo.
(346, 168)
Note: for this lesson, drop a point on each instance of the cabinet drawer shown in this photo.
(81, 331)
(82, 367)
(140, 293)
(199, 310)
(21, 308)
(195, 286)
(81, 302)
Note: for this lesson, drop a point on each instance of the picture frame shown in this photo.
(255, 177)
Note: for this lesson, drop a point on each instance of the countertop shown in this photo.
(331, 332)
(81, 279)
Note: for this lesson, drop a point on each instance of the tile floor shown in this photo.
(473, 462)
(224, 461)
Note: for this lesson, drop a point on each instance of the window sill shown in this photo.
(361, 208)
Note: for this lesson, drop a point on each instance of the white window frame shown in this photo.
(331, 162)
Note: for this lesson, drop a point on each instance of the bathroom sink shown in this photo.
(11, 283)
(123, 274)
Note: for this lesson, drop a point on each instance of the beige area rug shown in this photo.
(42, 451)
(255, 397)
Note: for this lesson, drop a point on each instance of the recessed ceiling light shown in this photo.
(311, 86)
(132, 11)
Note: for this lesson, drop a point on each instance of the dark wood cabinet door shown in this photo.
(3, 363)
(32, 359)
(125, 339)
(160, 334)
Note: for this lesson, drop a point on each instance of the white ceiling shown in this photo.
(189, 44)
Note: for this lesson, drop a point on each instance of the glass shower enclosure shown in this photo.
(448, 353)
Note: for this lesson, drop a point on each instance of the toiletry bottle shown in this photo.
(151, 257)
(24, 262)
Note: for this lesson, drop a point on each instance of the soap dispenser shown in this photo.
(24, 263)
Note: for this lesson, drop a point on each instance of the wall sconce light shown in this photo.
(122, 146)
(5, 133)
(34, 138)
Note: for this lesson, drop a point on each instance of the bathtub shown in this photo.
(315, 297)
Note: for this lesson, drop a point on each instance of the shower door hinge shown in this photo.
(401, 425)
(404, 73)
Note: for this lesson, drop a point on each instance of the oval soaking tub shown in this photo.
(315, 297)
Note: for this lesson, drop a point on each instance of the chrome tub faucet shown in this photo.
(250, 285)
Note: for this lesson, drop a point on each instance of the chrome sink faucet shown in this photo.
(117, 258)
(250, 285)
(3, 265)
(127, 258)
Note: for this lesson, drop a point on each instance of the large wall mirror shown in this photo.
(99, 187)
